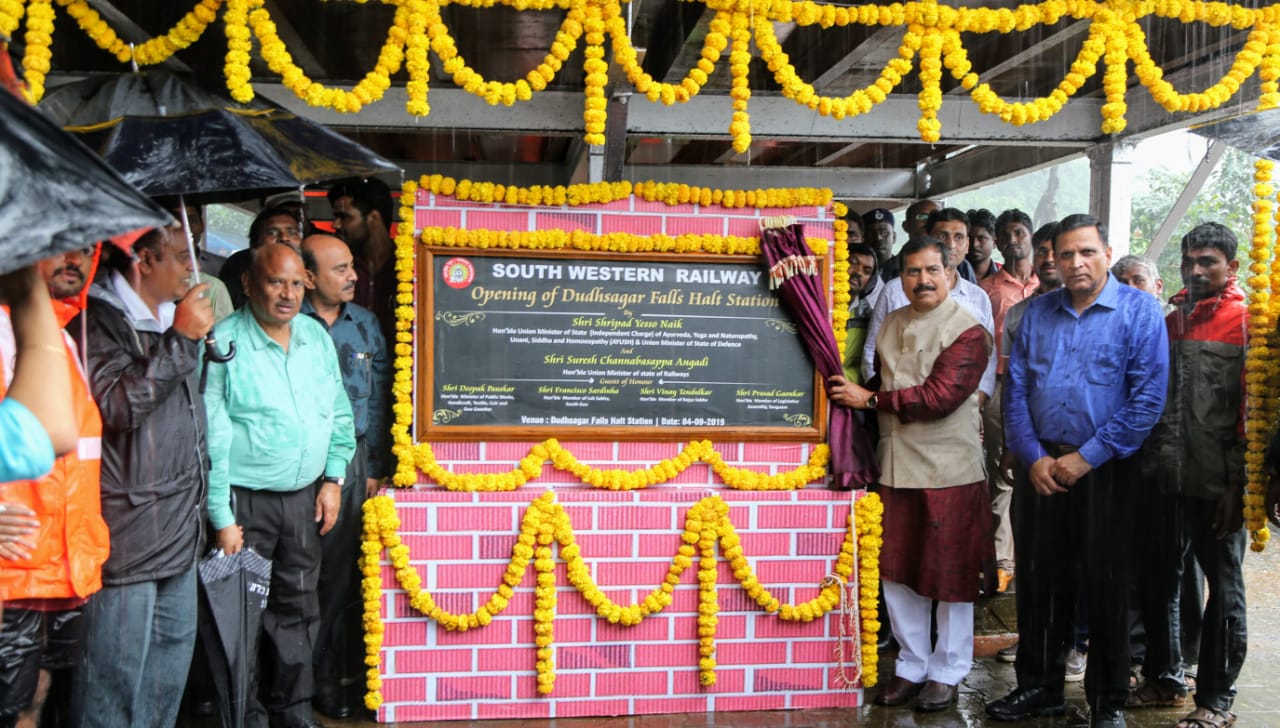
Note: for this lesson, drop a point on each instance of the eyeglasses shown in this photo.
(279, 233)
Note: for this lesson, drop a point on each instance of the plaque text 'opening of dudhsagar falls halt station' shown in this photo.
(620, 345)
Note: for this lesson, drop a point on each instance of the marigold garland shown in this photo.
(545, 522)
(931, 30)
(39, 37)
(412, 458)
(1261, 366)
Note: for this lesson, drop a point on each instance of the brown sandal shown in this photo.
(1151, 695)
(1207, 718)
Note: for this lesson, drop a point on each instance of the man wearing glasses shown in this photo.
(278, 224)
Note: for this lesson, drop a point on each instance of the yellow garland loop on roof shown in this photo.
(414, 457)
(39, 37)
(545, 522)
(931, 31)
(1262, 366)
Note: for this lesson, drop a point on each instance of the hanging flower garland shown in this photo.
(412, 458)
(239, 46)
(10, 16)
(595, 114)
(1115, 37)
(159, 49)
(39, 37)
(368, 90)
(545, 522)
(1261, 359)
(868, 513)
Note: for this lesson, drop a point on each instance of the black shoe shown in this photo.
(1027, 703)
(331, 704)
(1106, 719)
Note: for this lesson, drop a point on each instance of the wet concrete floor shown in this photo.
(1257, 704)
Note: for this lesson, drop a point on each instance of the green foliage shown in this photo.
(1226, 198)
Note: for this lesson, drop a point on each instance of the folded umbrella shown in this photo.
(235, 589)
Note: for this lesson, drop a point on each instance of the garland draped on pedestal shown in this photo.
(546, 523)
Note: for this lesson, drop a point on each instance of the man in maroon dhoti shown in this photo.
(930, 357)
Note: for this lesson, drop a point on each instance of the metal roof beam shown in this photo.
(705, 117)
(853, 184)
(987, 165)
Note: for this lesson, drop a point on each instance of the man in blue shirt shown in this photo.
(1085, 385)
(366, 374)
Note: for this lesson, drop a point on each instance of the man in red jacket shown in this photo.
(1194, 461)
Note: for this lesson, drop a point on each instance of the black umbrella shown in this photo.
(235, 589)
(170, 137)
(56, 195)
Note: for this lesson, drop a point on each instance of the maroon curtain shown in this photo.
(794, 273)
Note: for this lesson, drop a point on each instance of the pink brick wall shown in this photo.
(461, 542)
(602, 668)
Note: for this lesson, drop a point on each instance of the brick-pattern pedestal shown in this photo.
(461, 543)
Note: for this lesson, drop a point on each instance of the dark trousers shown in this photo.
(1180, 525)
(1092, 521)
(339, 655)
(282, 528)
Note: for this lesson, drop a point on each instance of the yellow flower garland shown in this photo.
(545, 522)
(412, 458)
(10, 16)
(1261, 361)
(931, 30)
(39, 37)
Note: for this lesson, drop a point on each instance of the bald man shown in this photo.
(281, 434)
(366, 373)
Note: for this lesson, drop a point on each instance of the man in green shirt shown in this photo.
(281, 434)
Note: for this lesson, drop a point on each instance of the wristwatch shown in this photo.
(336, 481)
(873, 400)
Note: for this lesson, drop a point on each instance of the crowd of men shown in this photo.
(98, 558)
(1051, 417)
(1028, 414)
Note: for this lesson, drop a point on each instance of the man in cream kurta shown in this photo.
(931, 356)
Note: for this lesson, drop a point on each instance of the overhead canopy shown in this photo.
(871, 158)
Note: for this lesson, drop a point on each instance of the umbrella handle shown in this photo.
(211, 355)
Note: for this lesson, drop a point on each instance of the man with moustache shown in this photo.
(47, 574)
(280, 440)
(1015, 282)
(145, 327)
(1194, 468)
(951, 227)
(366, 373)
(362, 218)
(932, 355)
(1084, 386)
